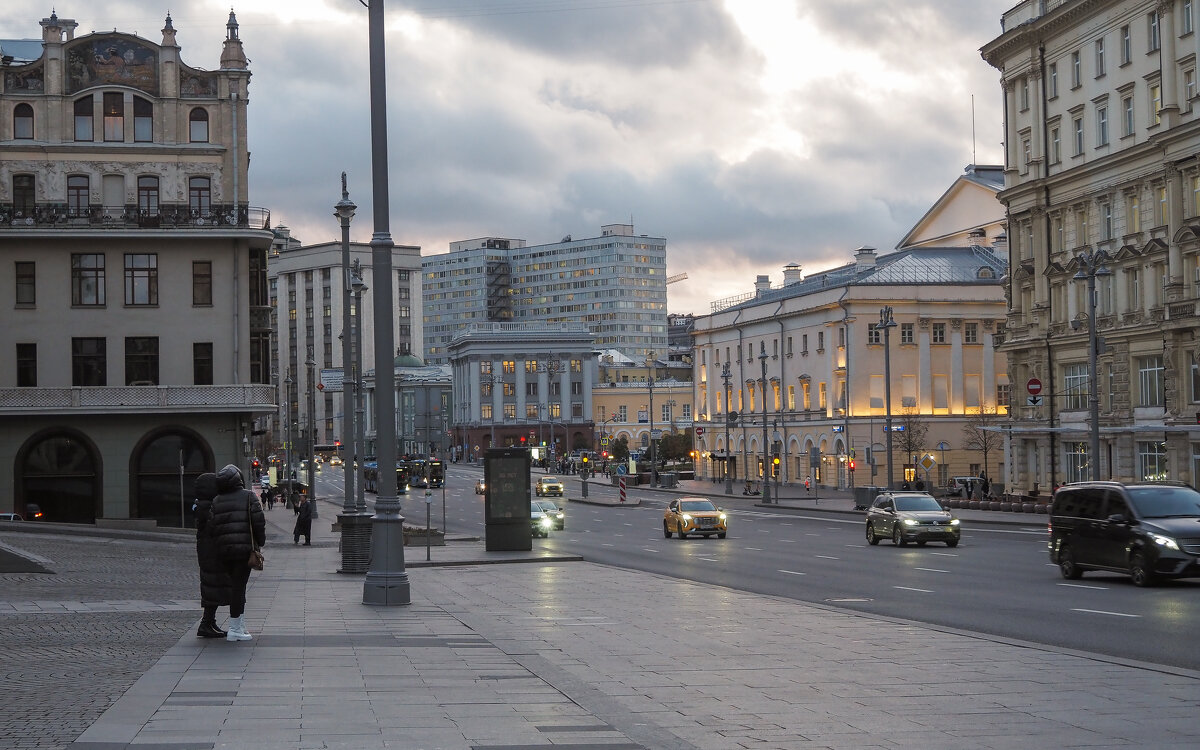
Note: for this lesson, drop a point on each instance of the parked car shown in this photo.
(694, 515)
(1148, 530)
(911, 517)
(11, 517)
(540, 521)
(480, 486)
(547, 486)
(960, 485)
(556, 513)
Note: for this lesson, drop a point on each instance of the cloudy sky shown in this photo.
(749, 133)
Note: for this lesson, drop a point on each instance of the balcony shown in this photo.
(138, 399)
(168, 216)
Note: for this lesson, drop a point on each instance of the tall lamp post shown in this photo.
(344, 211)
(287, 430)
(726, 375)
(357, 287)
(762, 358)
(887, 323)
(310, 445)
(653, 452)
(1091, 265)
(386, 582)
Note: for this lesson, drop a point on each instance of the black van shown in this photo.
(1147, 530)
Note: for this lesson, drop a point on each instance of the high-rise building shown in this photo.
(134, 276)
(1102, 190)
(616, 284)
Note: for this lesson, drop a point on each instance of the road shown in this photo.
(997, 581)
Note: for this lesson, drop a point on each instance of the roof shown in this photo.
(21, 50)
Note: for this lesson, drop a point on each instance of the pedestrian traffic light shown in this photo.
(852, 464)
(522, 440)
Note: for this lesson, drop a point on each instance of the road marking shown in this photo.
(932, 570)
(827, 557)
(756, 549)
(793, 541)
(647, 549)
(809, 533)
(909, 588)
(606, 544)
(709, 559)
(792, 572)
(628, 524)
(1084, 586)
(945, 554)
(1102, 612)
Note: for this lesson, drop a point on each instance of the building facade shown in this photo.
(1102, 190)
(424, 399)
(135, 289)
(616, 284)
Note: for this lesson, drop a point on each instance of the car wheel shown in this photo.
(1140, 572)
(921, 543)
(871, 536)
(721, 535)
(898, 537)
(682, 533)
(1067, 566)
(951, 542)
(666, 530)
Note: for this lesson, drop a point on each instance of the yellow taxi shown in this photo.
(694, 515)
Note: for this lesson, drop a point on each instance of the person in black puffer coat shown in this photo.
(215, 587)
(237, 525)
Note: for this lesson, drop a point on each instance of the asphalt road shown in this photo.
(997, 581)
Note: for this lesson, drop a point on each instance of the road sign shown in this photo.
(1034, 401)
(655, 434)
(1034, 386)
(927, 462)
(699, 430)
(477, 449)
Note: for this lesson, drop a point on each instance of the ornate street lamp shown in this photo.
(344, 210)
(887, 323)
(762, 358)
(726, 375)
(287, 429)
(357, 287)
(1091, 266)
(653, 451)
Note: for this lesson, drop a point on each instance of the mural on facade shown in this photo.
(28, 78)
(112, 60)
(197, 83)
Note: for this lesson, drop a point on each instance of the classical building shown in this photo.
(1102, 190)
(135, 296)
(521, 384)
(616, 284)
(424, 399)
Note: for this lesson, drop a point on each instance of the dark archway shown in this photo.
(59, 470)
(158, 488)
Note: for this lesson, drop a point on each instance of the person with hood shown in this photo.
(237, 526)
(303, 521)
(215, 587)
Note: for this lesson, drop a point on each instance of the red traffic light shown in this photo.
(522, 439)
(851, 464)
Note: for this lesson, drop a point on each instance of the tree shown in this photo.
(981, 434)
(911, 440)
(675, 446)
(619, 448)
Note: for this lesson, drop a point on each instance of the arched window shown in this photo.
(83, 119)
(23, 121)
(156, 465)
(198, 125)
(59, 471)
(199, 195)
(77, 195)
(147, 187)
(143, 120)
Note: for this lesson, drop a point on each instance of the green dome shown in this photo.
(409, 360)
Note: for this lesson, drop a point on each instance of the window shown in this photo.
(1164, 208)
(1053, 74)
(26, 365)
(147, 196)
(1156, 103)
(906, 333)
(970, 333)
(577, 365)
(665, 415)
(1056, 232)
(1100, 67)
(202, 363)
(531, 411)
(87, 279)
(141, 360)
(1076, 70)
(509, 366)
(198, 125)
(114, 117)
(1187, 16)
(873, 334)
(822, 392)
(200, 195)
(531, 366)
(806, 393)
(88, 362)
(77, 195)
(1024, 94)
(1195, 368)
(1133, 289)
(622, 413)
(485, 411)
(26, 292)
(1196, 196)
(83, 119)
(1055, 146)
(820, 341)
(1003, 395)
(143, 120)
(1150, 380)
(485, 367)
(510, 411)
(1101, 126)
(510, 389)
(1134, 219)
(201, 283)
(1126, 46)
(1127, 115)
(485, 389)
(1075, 386)
(141, 278)
(1155, 38)
(1152, 460)
(576, 388)
(1078, 127)
(531, 388)
(789, 346)
(1189, 85)
(804, 343)
(23, 197)
(1077, 461)
(791, 402)
(939, 333)
(1106, 225)
(1027, 150)
(22, 121)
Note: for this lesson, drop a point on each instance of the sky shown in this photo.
(749, 133)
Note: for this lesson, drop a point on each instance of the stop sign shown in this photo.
(1035, 386)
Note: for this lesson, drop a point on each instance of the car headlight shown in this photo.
(1165, 541)
(910, 522)
(546, 521)
(722, 516)
(954, 521)
(687, 517)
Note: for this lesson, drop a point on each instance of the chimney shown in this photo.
(978, 238)
(762, 284)
(791, 274)
(864, 258)
(1000, 246)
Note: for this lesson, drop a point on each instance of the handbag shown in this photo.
(256, 560)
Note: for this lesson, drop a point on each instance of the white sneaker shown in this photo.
(237, 630)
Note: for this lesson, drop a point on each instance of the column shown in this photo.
(957, 375)
(1039, 228)
(924, 368)
(1011, 160)
(1170, 70)
(1176, 275)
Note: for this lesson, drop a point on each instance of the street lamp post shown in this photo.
(386, 582)
(653, 451)
(726, 375)
(1091, 266)
(310, 445)
(887, 323)
(762, 358)
(344, 210)
(358, 287)
(287, 429)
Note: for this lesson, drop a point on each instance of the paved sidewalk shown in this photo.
(573, 655)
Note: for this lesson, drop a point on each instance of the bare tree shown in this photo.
(981, 433)
(911, 439)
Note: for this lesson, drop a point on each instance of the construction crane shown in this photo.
(676, 277)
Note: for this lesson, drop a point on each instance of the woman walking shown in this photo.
(215, 588)
(238, 526)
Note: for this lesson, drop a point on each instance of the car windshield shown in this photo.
(547, 480)
(1165, 502)
(548, 507)
(696, 505)
(916, 502)
(535, 508)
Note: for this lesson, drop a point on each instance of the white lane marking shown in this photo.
(945, 554)
(788, 540)
(827, 557)
(909, 588)
(628, 524)
(647, 549)
(1084, 586)
(709, 559)
(764, 531)
(791, 572)
(1103, 612)
(932, 570)
(756, 549)
(605, 544)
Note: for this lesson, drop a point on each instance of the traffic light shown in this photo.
(584, 458)
(255, 464)
(522, 440)
(604, 454)
(851, 464)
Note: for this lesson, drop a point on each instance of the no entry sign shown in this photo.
(1034, 386)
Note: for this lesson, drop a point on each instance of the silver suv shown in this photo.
(907, 517)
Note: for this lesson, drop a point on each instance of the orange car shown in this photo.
(694, 515)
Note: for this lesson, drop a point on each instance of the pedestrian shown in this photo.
(808, 484)
(238, 527)
(304, 522)
(986, 488)
(216, 590)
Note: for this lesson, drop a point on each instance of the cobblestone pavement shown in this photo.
(75, 639)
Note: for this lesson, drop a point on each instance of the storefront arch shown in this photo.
(163, 467)
(59, 470)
